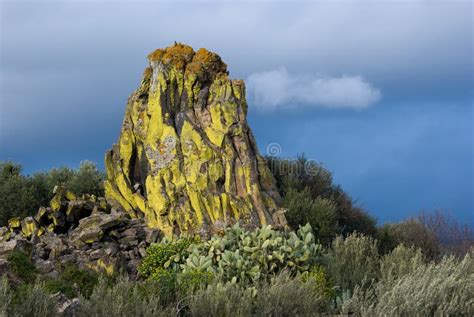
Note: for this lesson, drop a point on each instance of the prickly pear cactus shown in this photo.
(186, 159)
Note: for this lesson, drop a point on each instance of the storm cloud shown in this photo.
(68, 67)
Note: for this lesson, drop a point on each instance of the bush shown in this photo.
(352, 260)
(124, 298)
(22, 266)
(309, 181)
(87, 180)
(6, 296)
(84, 280)
(32, 301)
(411, 233)
(159, 254)
(320, 213)
(54, 285)
(23, 195)
(18, 195)
(282, 296)
(400, 262)
(453, 237)
(432, 289)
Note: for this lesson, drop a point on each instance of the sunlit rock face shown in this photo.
(186, 159)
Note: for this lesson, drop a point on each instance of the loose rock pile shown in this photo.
(85, 231)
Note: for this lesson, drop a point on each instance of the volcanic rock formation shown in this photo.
(186, 159)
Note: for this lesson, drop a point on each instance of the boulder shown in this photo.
(17, 244)
(186, 156)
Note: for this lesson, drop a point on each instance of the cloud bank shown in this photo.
(277, 89)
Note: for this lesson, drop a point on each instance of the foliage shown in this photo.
(54, 285)
(309, 194)
(160, 253)
(6, 296)
(31, 300)
(281, 296)
(18, 195)
(411, 233)
(352, 260)
(453, 237)
(84, 280)
(124, 298)
(424, 289)
(87, 180)
(22, 266)
(320, 213)
(249, 256)
(23, 195)
(318, 278)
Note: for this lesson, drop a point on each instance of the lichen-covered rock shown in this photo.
(84, 231)
(186, 157)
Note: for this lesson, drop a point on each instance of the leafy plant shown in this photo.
(22, 266)
(163, 255)
(352, 260)
(425, 289)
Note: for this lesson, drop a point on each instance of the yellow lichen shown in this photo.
(194, 158)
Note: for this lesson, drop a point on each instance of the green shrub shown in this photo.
(221, 300)
(18, 195)
(124, 298)
(87, 180)
(23, 195)
(400, 262)
(352, 260)
(281, 296)
(311, 181)
(318, 278)
(432, 289)
(22, 266)
(85, 280)
(159, 254)
(411, 233)
(6, 296)
(54, 285)
(32, 300)
(193, 280)
(320, 213)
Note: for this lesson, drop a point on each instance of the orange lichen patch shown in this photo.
(156, 55)
(177, 55)
(204, 60)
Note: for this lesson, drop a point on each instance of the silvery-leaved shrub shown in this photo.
(420, 289)
(283, 295)
(352, 260)
(6, 296)
(125, 298)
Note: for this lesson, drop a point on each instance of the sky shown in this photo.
(379, 92)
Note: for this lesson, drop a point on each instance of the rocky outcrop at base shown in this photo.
(84, 231)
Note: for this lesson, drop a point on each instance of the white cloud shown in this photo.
(278, 88)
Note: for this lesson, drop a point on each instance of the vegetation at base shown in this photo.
(336, 260)
(401, 282)
(72, 281)
(22, 195)
(237, 256)
(310, 196)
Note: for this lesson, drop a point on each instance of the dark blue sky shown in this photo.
(379, 92)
